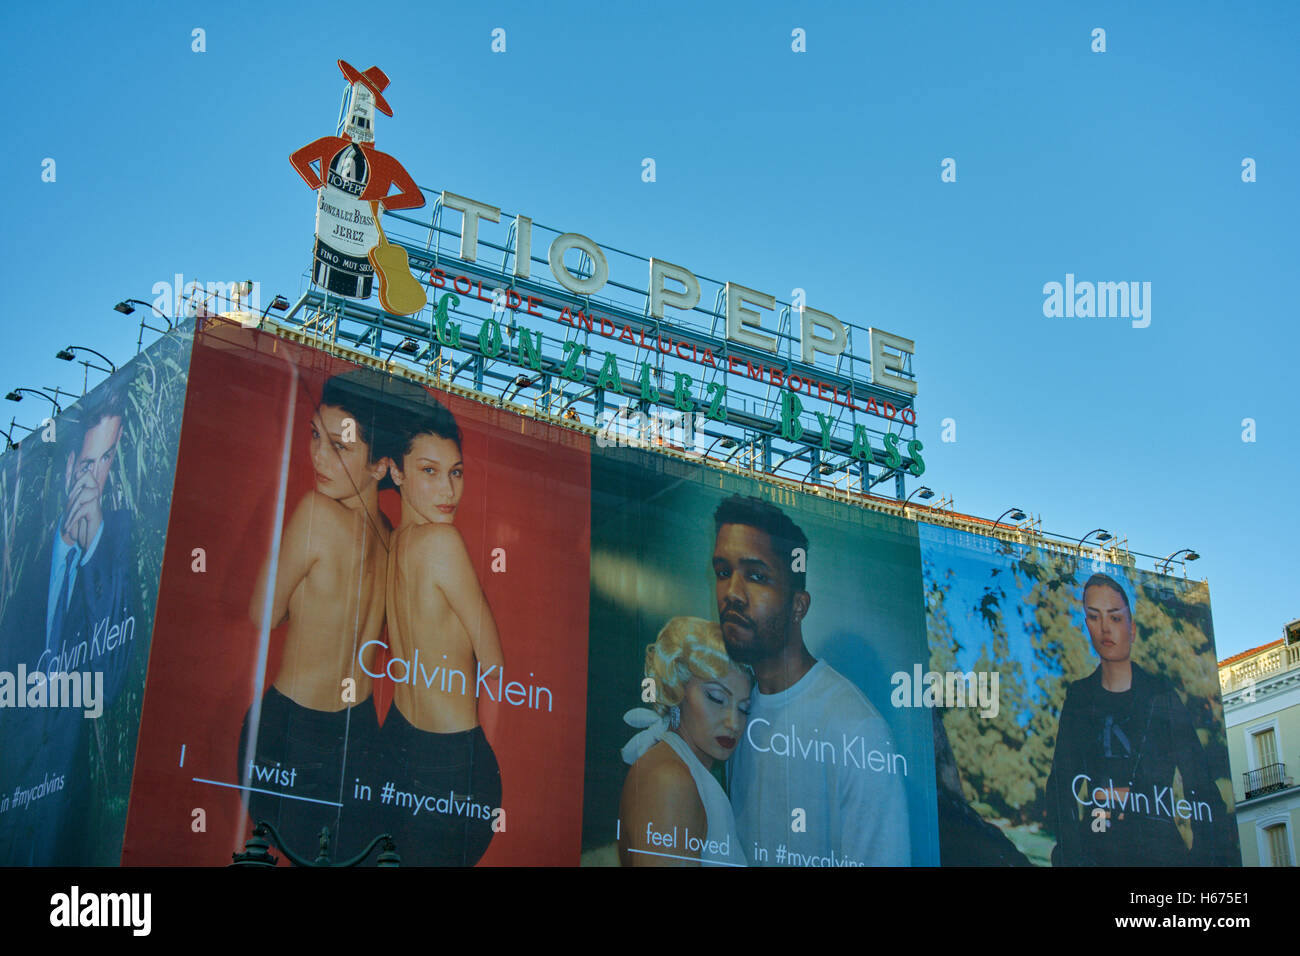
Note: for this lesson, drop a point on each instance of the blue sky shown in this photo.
(776, 170)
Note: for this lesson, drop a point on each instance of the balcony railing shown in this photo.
(1260, 667)
(1265, 780)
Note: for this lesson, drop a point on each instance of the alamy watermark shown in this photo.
(947, 689)
(127, 910)
(79, 690)
(179, 298)
(630, 427)
(1102, 300)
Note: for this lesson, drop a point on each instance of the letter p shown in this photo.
(810, 343)
(660, 296)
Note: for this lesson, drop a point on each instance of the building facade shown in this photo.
(1261, 707)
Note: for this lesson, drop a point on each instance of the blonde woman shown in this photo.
(673, 812)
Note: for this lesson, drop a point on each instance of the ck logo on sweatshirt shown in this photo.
(1114, 741)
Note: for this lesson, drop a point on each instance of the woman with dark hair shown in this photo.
(441, 629)
(326, 582)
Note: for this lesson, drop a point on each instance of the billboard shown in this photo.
(84, 502)
(383, 607)
(1107, 745)
(795, 609)
(368, 650)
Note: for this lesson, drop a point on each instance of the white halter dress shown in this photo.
(721, 845)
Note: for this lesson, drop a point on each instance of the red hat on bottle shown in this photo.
(374, 78)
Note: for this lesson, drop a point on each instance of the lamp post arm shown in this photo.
(383, 837)
(150, 305)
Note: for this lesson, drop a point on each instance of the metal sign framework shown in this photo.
(751, 425)
(1026, 533)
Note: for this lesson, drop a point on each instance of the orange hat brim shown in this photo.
(353, 75)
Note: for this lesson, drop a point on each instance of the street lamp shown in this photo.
(279, 303)
(1191, 556)
(924, 491)
(734, 451)
(727, 442)
(1016, 515)
(821, 469)
(1101, 533)
(126, 308)
(69, 355)
(518, 382)
(407, 345)
(16, 396)
(257, 851)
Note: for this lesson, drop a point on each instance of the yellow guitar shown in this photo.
(400, 293)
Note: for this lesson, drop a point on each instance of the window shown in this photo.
(1265, 748)
(1279, 847)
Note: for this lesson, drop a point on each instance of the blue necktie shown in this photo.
(60, 609)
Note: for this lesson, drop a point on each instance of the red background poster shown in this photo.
(526, 491)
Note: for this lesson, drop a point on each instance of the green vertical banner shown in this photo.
(84, 503)
(744, 641)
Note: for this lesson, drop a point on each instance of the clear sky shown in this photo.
(775, 170)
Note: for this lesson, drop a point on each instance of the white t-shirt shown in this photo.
(819, 746)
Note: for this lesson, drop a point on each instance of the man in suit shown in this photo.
(88, 592)
(70, 612)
